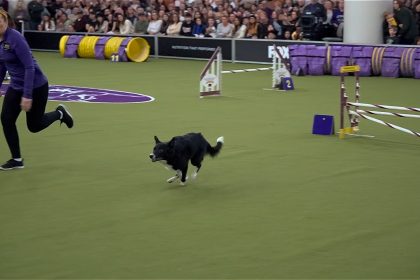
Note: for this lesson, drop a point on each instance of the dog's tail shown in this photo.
(213, 151)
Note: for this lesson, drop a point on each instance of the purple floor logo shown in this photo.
(91, 95)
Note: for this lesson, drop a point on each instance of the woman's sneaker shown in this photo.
(66, 117)
(12, 164)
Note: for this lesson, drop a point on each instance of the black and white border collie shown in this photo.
(177, 153)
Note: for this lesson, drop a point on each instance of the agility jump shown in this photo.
(354, 113)
(211, 78)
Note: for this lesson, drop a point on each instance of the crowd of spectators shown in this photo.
(263, 19)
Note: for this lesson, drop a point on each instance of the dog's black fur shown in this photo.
(182, 149)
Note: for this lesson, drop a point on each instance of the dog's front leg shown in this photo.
(184, 175)
(177, 176)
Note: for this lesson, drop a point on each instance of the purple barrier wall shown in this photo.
(72, 45)
(362, 56)
(417, 64)
(316, 59)
(391, 62)
(298, 59)
(340, 56)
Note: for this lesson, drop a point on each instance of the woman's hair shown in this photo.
(6, 16)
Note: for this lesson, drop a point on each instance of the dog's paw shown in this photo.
(182, 183)
(172, 179)
(194, 175)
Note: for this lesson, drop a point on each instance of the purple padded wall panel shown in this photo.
(362, 56)
(316, 59)
(391, 62)
(417, 64)
(298, 58)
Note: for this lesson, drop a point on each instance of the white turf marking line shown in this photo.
(360, 135)
(246, 70)
(273, 89)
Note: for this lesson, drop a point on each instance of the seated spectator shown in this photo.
(198, 28)
(211, 28)
(102, 24)
(142, 24)
(112, 25)
(278, 25)
(187, 25)
(392, 37)
(174, 27)
(92, 23)
(262, 30)
(251, 32)
(287, 35)
(63, 23)
(154, 25)
(124, 25)
(239, 29)
(297, 34)
(224, 29)
(338, 19)
(47, 24)
(79, 24)
(165, 24)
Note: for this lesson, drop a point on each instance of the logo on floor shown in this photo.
(91, 95)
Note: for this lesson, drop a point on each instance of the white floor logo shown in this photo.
(91, 95)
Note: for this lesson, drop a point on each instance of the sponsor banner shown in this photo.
(261, 51)
(90, 95)
(194, 47)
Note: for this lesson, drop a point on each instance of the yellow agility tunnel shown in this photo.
(135, 49)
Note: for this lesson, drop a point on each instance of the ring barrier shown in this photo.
(125, 48)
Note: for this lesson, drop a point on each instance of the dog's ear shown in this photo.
(157, 140)
(172, 142)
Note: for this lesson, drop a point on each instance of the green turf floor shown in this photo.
(278, 202)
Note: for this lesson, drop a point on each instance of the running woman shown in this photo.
(28, 91)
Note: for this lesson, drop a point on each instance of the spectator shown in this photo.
(47, 23)
(187, 25)
(63, 23)
(211, 28)
(262, 30)
(92, 23)
(392, 37)
(131, 15)
(174, 27)
(165, 24)
(198, 28)
(239, 29)
(142, 24)
(224, 29)
(406, 23)
(251, 32)
(124, 25)
(35, 10)
(287, 35)
(102, 24)
(4, 4)
(79, 24)
(278, 25)
(416, 9)
(20, 14)
(338, 19)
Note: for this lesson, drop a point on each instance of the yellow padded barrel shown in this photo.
(62, 44)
